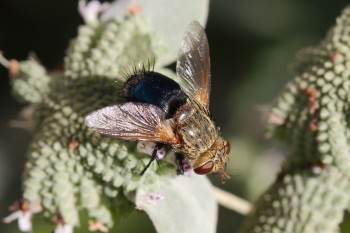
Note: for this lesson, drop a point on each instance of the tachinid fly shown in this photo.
(158, 109)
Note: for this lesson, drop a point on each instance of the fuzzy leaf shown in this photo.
(168, 18)
(185, 204)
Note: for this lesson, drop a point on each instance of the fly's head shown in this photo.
(214, 159)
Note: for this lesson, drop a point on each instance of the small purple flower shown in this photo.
(153, 198)
(91, 10)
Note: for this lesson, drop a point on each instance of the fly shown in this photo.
(160, 110)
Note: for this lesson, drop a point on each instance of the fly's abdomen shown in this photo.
(154, 88)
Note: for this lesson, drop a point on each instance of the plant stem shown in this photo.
(232, 202)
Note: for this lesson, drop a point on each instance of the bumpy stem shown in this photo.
(69, 167)
(311, 192)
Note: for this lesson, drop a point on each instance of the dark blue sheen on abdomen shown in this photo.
(154, 88)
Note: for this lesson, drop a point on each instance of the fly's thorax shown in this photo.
(197, 132)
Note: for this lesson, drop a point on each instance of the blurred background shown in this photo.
(252, 43)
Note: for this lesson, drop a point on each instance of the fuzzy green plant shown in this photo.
(72, 170)
(311, 115)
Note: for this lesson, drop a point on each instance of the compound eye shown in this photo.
(227, 146)
(204, 169)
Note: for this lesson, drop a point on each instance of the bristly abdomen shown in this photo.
(154, 88)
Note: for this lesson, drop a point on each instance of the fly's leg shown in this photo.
(180, 163)
(154, 156)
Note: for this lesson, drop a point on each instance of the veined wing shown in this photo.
(193, 64)
(132, 121)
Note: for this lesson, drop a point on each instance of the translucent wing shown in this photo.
(132, 121)
(193, 64)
